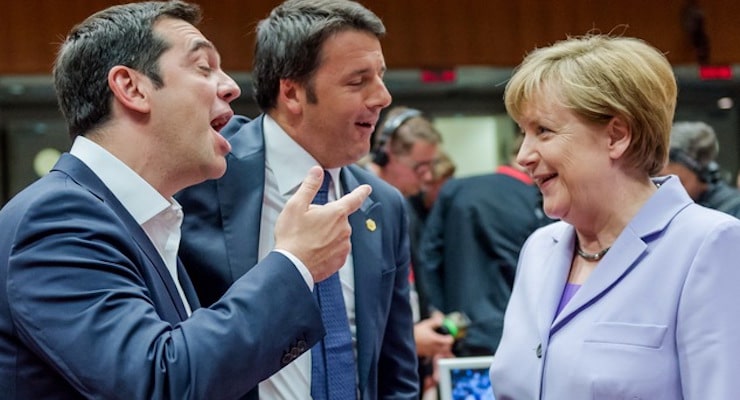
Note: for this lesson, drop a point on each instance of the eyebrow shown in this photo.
(364, 72)
(201, 44)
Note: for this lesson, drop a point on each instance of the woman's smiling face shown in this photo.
(563, 153)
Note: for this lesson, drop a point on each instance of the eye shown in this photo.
(205, 68)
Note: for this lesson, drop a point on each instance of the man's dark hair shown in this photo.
(119, 35)
(290, 39)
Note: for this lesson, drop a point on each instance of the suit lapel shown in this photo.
(557, 266)
(85, 177)
(187, 286)
(631, 244)
(367, 258)
(240, 194)
(612, 268)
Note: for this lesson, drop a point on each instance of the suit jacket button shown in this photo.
(301, 345)
(287, 358)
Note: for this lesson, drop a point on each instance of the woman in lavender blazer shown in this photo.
(635, 293)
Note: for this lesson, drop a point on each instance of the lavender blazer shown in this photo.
(659, 318)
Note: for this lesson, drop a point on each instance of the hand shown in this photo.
(429, 343)
(318, 235)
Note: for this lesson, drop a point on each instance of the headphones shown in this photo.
(380, 156)
(707, 174)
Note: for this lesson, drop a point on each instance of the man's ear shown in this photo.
(130, 88)
(292, 95)
(620, 137)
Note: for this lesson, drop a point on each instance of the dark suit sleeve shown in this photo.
(79, 301)
(397, 365)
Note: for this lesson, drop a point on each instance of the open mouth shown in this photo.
(220, 122)
(542, 179)
(366, 125)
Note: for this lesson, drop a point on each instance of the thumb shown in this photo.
(308, 189)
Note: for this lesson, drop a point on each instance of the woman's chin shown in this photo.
(552, 211)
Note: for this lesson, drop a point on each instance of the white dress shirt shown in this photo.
(286, 165)
(160, 218)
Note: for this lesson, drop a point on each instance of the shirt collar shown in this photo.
(288, 160)
(136, 195)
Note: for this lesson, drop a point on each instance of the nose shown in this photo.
(526, 156)
(381, 97)
(228, 88)
(427, 176)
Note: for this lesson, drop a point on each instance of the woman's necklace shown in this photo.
(589, 256)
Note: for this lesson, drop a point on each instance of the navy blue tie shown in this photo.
(332, 359)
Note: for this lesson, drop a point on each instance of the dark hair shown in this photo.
(118, 35)
(696, 139)
(290, 39)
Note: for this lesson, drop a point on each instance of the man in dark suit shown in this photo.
(93, 300)
(471, 245)
(318, 77)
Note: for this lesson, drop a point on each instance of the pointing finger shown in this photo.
(308, 189)
(353, 200)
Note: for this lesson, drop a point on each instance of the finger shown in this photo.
(308, 189)
(353, 200)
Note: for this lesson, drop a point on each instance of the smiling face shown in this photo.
(349, 95)
(566, 156)
(191, 107)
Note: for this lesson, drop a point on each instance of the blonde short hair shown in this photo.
(444, 167)
(599, 77)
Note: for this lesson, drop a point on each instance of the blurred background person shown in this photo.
(405, 148)
(422, 202)
(471, 244)
(428, 329)
(692, 157)
(633, 295)
(404, 154)
(420, 205)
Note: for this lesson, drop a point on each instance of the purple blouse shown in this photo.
(568, 293)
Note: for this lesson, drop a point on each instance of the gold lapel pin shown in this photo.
(370, 224)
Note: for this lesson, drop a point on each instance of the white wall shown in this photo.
(475, 143)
